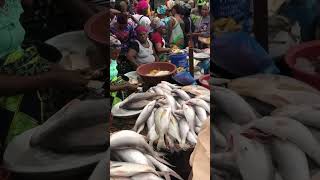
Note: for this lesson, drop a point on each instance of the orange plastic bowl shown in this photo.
(96, 28)
(145, 69)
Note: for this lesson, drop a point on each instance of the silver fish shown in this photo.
(170, 143)
(204, 97)
(163, 168)
(127, 138)
(174, 129)
(190, 116)
(124, 169)
(171, 101)
(146, 176)
(184, 129)
(135, 97)
(145, 114)
(136, 105)
(182, 94)
(165, 86)
(201, 103)
(162, 126)
(133, 156)
(198, 122)
(191, 138)
(158, 90)
(201, 113)
(197, 130)
(150, 121)
(173, 86)
(152, 135)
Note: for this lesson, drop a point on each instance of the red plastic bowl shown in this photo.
(96, 28)
(204, 81)
(145, 69)
(307, 50)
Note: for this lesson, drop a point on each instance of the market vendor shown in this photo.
(115, 85)
(23, 73)
(141, 51)
(158, 40)
(203, 25)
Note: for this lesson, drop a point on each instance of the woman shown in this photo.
(23, 73)
(176, 33)
(141, 50)
(125, 33)
(158, 40)
(141, 18)
(203, 25)
(162, 14)
(115, 49)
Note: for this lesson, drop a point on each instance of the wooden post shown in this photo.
(191, 66)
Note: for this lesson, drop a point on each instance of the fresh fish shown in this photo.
(180, 101)
(191, 138)
(152, 135)
(133, 156)
(150, 121)
(286, 129)
(136, 105)
(163, 168)
(292, 163)
(170, 143)
(158, 90)
(204, 97)
(201, 103)
(198, 122)
(197, 130)
(174, 129)
(173, 86)
(196, 90)
(140, 128)
(179, 112)
(162, 126)
(201, 113)
(178, 105)
(190, 116)
(171, 101)
(145, 114)
(233, 105)
(127, 138)
(135, 97)
(182, 94)
(124, 169)
(184, 129)
(146, 176)
(165, 87)
(252, 158)
(306, 114)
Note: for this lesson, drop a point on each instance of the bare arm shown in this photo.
(132, 56)
(160, 49)
(155, 55)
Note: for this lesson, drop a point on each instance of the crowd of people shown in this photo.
(141, 34)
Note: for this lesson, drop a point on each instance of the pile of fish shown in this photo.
(133, 158)
(173, 115)
(282, 144)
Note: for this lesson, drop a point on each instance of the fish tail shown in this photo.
(161, 143)
(184, 146)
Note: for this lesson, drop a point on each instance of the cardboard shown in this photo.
(200, 157)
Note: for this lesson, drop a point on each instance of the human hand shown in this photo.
(132, 87)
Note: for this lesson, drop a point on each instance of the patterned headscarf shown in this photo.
(141, 6)
(162, 9)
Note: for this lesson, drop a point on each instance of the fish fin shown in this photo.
(140, 128)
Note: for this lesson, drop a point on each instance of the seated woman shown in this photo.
(115, 48)
(141, 51)
(25, 78)
(158, 40)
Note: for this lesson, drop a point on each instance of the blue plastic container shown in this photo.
(180, 60)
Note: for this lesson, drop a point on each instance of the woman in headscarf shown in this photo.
(141, 50)
(116, 83)
(158, 40)
(141, 18)
(125, 33)
(176, 33)
(203, 25)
